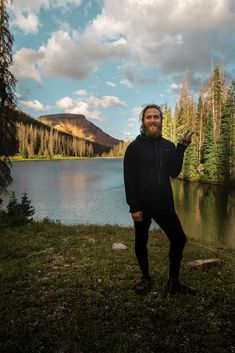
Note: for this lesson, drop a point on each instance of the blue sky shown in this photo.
(108, 58)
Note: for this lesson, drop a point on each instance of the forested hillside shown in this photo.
(211, 153)
(39, 140)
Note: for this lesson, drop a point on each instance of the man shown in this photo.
(149, 161)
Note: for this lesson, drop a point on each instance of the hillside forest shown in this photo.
(210, 156)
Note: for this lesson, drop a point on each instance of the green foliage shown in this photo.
(24, 153)
(209, 150)
(8, 140)
(26, 207)
(211, 154)
(167, 124)
(191, 162)
(18, 213)
(226, 142)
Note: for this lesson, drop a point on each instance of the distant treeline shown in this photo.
(211, 154)
(38, 140)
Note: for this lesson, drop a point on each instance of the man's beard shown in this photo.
(152, 129)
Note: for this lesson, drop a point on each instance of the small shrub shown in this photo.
(19, 213)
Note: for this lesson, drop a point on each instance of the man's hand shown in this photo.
(186, 138)
(137, 216)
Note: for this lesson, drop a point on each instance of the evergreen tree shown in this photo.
(167, 125)
(209, 151)
(8, 141)
(24, 153)
(26, 208)
(226, 143)
(12, 206)
(179, 123)
(19, 213)
(215, 95)
(200, 124)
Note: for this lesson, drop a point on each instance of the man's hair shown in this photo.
(143, 112)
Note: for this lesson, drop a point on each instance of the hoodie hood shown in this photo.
(142, 137)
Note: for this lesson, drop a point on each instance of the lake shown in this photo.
(92, 191)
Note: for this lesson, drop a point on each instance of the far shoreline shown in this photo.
(20, 159)
(229, 183)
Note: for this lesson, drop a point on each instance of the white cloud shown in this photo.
(103, 22)
(76, 56)
(126, 83)
(65, 103)
(175, 87)
(88, 105)
(28, 22)
(170, 35)
(25, 64)
(25, 13)
(81, 92)
(105, 102)
(108, 83)
(35, 105)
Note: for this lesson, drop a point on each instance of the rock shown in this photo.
(119, 246)
(203, 264)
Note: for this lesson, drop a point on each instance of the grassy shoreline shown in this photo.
(65, 290)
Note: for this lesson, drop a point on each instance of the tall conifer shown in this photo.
(8, 141)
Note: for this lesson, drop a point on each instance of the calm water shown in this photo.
(92, 191)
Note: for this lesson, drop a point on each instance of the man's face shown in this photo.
(152, 123)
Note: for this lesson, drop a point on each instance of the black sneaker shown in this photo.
(144, 286)
(174, 286)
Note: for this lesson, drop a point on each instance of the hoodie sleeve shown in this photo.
(130, 178)
(176, 160)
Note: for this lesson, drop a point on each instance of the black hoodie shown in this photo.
(148, 164)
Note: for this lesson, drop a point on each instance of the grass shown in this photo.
(64, 290)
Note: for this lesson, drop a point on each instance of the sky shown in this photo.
(106, 59)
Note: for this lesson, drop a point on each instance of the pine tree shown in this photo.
(12, 206)
(19, 213)
(26, 208)
(167, 125)
(209, 151)
(215, 95)
(8, 140)
(226, 143)
(200, 124)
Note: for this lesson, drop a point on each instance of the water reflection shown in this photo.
(206, 211)
(92, 191)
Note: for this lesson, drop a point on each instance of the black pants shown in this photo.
(171, 225)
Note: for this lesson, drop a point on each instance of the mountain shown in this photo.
(78, 125)
(39, 139)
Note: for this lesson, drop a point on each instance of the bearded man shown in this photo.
(149, 162)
